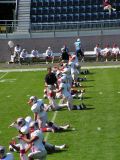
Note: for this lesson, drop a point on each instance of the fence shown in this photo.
(8, 26)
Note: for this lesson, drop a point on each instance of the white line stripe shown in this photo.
(53, 119)
(23, 70)
(44, 69)
(4, 75)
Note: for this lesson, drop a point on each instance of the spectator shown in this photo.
(16, 55)
(4, 155)
(97, 51)
(24, 56)
(65, 54)
(107, 6)
(34, 55)
(78, 49)
(106, 52)
(115, 52)
(49, 55)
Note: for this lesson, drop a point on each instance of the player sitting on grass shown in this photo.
(17, 147)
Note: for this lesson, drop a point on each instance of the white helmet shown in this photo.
(34, 125)
(33, 98)
(2, 152)
(24, 130)
(28, 119)
(20, 121)
(78, 40)
(10, 44)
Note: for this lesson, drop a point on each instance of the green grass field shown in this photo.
(97, 129)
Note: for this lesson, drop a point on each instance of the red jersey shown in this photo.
(106, 3)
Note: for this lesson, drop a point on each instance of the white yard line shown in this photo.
(44, 69)
(23, 70)
(53, 120)
(4, 75)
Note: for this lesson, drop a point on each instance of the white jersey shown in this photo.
(73, 68)
(23, 54)
(65, 89)
(17, 49)
(49, 53)
(106, 50)
(38, 108)
(74, 58)
(34, 53)
(97, 50)
(77, 45)
(37, 145)
(115, 50)
(9, 156)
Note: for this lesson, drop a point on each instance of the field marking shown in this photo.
(53, 119)
(7, 80)
(44, 69)
(24, 70)
(3, 75)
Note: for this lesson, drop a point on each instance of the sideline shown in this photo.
(44, 69)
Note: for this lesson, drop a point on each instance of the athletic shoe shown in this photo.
(63, 146)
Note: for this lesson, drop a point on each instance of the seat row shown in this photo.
(74, 17)
(47, 3)
(66, 10)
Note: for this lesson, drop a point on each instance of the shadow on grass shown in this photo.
(58, 151)
(87, 97)
(64, 131)
(87, 86)
(89, 108)
(89, 80)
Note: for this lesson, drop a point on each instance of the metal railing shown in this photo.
(78, 26)
(10, 26)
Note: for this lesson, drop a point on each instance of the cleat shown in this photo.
(83, 106)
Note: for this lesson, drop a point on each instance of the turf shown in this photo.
(97, 129)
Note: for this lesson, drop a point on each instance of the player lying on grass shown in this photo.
(22, 124)
(34, 143)
(22, 147)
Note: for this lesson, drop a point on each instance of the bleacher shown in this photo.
(53, 11)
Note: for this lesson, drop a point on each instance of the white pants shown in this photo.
(41, 155)
(42, 119)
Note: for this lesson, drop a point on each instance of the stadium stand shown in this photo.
(86, 10)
